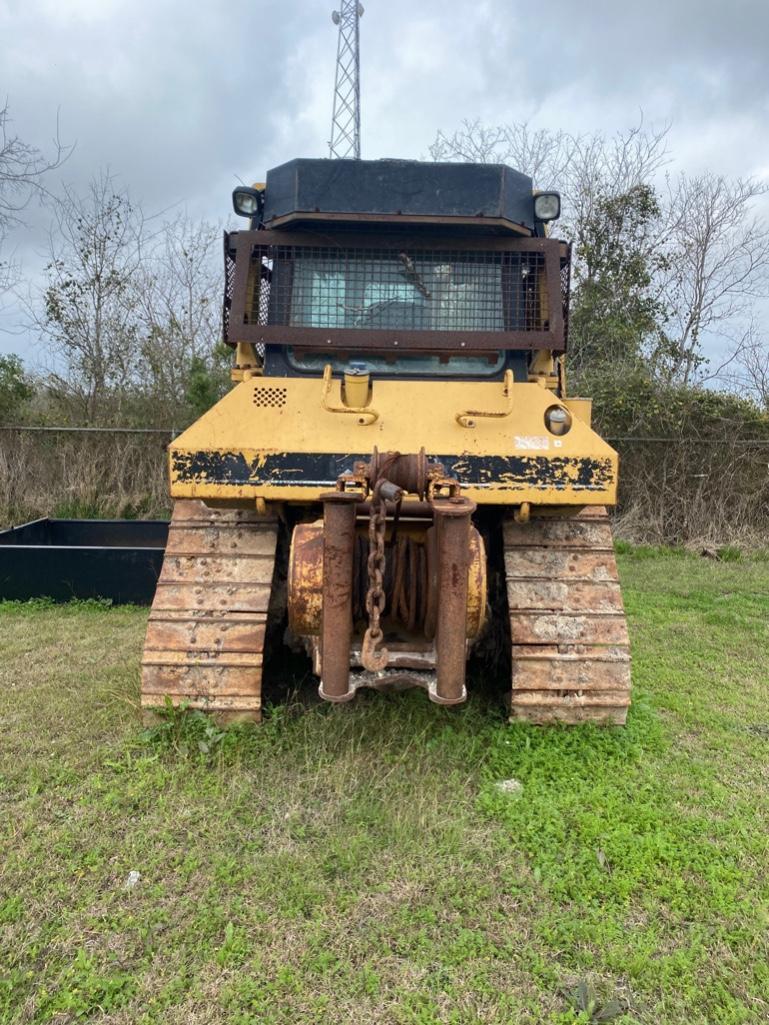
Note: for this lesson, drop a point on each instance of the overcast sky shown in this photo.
(183, 100)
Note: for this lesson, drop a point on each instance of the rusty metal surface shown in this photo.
(336, 624)
(477, 585)
(452, 541)
(424, 579)
(253, 316)
(411, 654)
(408, 586)
(409, 472)
(409, 509)
(206, 630)
(388, 476)
(374, 655)
(305, 579)
(571, 657)
(397, 679)
(408, 576)
(246, 240)
(392, 341)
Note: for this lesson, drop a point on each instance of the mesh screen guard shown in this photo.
(390, 292)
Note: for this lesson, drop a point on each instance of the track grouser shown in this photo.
(398, 481)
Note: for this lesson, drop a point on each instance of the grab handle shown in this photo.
(468, 417)
(365, 415)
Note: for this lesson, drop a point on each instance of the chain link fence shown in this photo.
(693, 491)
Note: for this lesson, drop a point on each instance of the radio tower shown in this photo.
(345, 121)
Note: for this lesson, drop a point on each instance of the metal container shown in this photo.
(119, 560)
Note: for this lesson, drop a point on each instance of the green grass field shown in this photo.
(357, 864)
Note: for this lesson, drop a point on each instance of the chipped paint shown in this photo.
(314, 470)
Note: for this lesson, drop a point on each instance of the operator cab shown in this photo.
(405, 268)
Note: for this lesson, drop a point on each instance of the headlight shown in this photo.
(558, 420)
(247, 202)
(547, 206)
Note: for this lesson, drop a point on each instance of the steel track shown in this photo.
(206, 632)
(570, 648)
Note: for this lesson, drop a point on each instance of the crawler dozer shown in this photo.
(397, 481)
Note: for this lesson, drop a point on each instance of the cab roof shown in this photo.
(486, 197)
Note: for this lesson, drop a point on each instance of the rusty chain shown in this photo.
(373, 656)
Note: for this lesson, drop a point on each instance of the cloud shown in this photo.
(181, 100)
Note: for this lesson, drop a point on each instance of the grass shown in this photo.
(358, 864)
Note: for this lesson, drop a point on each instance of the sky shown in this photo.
(182, 101)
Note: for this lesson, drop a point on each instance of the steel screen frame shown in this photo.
(242, 244)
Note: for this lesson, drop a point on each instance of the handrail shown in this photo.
(468, 417)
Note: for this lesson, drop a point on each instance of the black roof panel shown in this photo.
(393, 187)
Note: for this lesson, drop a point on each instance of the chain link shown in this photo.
(373, 656)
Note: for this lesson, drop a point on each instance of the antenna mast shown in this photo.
(345, 120)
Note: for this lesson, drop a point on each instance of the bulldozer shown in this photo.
(398, 481)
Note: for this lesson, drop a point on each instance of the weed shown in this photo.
(591, 1009)
(74, 605)
(84, 989)
(730, 554)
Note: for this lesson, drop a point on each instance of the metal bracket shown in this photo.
(396, 679)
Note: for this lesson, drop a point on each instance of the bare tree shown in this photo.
(130, 312)
(9, 274)
(748, 371)
(178, 309)
(585, 168)
(542, 154)
(706, 250)
(718, 266)
(602, 169)
(22, 177)
(88, 313)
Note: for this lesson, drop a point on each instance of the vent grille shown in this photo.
(273, 398)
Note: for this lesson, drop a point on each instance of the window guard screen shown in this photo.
(509, 295)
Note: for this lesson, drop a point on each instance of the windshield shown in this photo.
(378, 289)
(397, 291)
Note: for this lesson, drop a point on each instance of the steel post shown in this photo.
(452, 523)
(336, 626)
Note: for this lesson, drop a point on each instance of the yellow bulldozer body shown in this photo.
(398, 482)
(271, 439)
